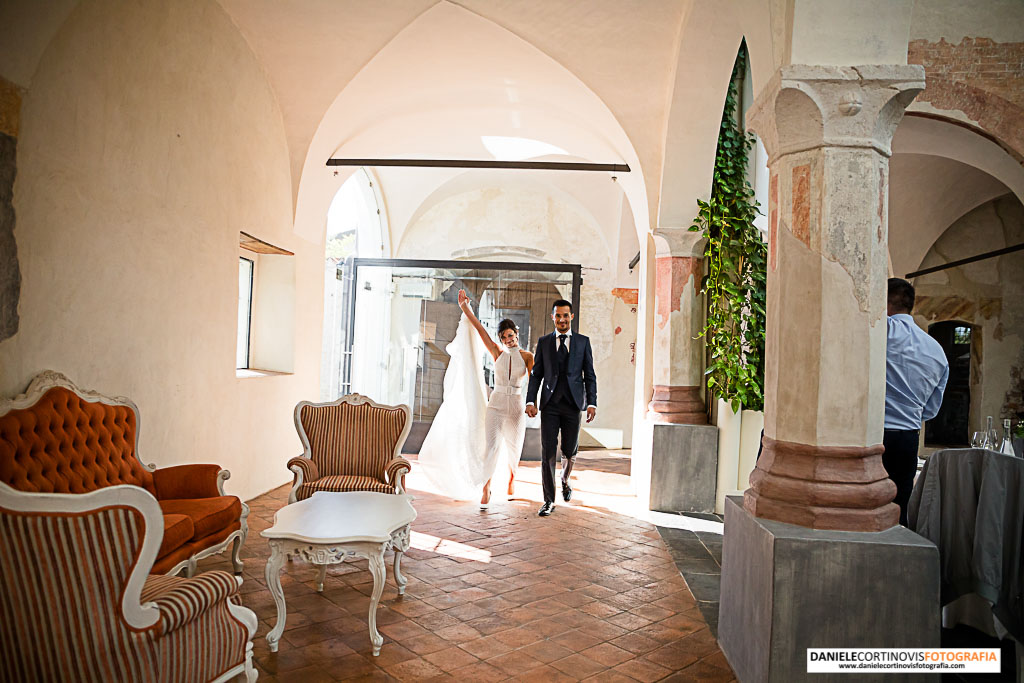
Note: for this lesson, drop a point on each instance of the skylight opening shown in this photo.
(504, 148)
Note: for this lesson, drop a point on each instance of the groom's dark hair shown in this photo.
(561, 302)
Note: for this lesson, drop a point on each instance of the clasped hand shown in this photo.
(531, 411)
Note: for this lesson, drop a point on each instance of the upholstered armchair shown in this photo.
(57, 438)
(351, 444)
(78, 602)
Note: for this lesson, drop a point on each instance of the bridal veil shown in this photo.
(453, 453)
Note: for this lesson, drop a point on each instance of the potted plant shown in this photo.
(735, 290)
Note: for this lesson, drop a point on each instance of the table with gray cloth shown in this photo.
(970, 503)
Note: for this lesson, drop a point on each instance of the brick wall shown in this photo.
(979, 77)
(978, 62)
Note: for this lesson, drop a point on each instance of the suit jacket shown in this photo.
(582, 379)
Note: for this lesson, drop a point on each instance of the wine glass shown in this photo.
(980, 440)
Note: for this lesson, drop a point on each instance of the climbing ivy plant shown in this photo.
(736, 262)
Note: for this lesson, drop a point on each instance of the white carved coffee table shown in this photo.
(327, 528)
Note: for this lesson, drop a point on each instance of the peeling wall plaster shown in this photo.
(979, 80)
(10, 272)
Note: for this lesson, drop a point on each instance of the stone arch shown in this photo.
(978, 108)
(984, 294)
(941, 170)
(711, 36)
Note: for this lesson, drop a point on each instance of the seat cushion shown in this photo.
(167, 562)
(208, 515)
(343, 482)
(178, 530)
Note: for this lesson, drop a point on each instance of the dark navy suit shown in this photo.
(569, 386)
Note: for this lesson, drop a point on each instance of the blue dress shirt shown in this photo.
(916, 371)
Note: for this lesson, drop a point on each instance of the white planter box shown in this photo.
(739, 436)
(750, 441)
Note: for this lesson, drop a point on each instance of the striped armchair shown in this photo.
(352, 444)
(77, 601)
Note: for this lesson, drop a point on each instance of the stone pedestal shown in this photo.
(684, 468)
(786, 588)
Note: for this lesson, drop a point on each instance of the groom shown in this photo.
(565, 363)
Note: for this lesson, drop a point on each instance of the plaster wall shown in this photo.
(519, 217)
(149, 138)
(837, 32)
(273, 318)
(987, 294)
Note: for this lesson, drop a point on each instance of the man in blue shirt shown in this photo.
(916, 371)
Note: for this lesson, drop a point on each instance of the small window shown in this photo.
(266, 309)
(961, 335)
(245, 273)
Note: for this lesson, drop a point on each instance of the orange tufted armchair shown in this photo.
(351, 444)
(57, 438)
(78, 602)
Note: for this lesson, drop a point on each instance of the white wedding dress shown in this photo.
(471, 435)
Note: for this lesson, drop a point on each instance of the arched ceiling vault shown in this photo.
(445, 87)
(620, 49)
(626, 53)
(940, 171)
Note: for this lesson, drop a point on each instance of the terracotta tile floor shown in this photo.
(586, 594)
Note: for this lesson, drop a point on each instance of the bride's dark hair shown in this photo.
(506, 324)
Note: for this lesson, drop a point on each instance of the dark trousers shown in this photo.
(900, 460)
(560, 415)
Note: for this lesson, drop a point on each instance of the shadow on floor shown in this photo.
(698, 557)
(967, 637)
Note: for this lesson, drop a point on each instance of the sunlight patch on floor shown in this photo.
(601, 486)
(443, 546)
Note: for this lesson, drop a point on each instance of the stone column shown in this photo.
(790, 581)
(678, 324)
(684, 448)
(827, 131)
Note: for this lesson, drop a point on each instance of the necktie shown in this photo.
(561, 345)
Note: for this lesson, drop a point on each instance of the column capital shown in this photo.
(805, 107)
(678, 242)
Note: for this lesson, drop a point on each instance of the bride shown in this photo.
(470, 435)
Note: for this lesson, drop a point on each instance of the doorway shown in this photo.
(404, 313)
(951, 426)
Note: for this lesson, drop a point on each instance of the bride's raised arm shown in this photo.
(492, 347)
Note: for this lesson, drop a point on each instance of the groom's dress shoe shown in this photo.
(566, 492)
(546, 509)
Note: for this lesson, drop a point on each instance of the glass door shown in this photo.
(404, 314)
